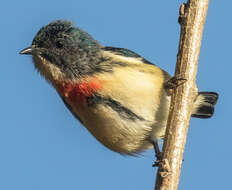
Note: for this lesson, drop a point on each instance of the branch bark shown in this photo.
(192, 17)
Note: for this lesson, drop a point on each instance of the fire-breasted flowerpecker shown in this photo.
(120, 97)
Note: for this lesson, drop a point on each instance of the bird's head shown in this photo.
(62, 51)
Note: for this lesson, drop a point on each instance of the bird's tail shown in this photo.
(204, 104)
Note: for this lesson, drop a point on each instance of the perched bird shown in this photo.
(119, 96)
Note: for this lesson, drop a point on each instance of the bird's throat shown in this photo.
(79, 91)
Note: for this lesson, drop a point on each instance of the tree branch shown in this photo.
(192, 17)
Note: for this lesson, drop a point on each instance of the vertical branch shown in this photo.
(192, 18)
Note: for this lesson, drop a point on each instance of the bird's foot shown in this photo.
(174, 82)
(158, 154)
(158, 160)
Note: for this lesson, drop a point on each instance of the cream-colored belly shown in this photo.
(123, 135)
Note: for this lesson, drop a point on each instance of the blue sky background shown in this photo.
(42, 147)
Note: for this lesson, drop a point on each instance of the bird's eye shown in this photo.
(59, 44)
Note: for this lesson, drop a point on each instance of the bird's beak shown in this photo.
(31, 50)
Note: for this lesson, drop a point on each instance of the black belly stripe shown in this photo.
(122, 111)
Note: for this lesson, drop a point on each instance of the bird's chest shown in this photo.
(94, 111)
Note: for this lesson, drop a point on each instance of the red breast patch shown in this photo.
(79, 91)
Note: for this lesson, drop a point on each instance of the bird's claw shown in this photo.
(173, 83)
(158, 160)
(156, 163)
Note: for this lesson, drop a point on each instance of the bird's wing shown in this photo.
(126, 53)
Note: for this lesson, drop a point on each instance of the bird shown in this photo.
(120, 97)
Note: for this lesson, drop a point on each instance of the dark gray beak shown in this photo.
(29, 50)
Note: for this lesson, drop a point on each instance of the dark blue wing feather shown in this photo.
(126, 53)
